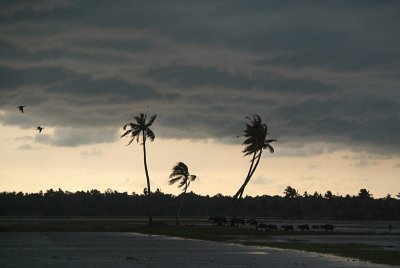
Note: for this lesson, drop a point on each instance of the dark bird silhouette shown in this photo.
(21, 108)
(39, 128)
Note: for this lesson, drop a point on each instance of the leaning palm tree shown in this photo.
(255, 142)
(180, 172)
(135, 130)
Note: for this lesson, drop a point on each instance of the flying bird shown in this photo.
(21, 108)
(39, 128)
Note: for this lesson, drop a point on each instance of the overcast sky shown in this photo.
(324, 76)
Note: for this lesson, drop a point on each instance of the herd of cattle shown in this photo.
(252, 223)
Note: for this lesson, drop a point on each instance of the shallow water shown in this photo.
(90, 249)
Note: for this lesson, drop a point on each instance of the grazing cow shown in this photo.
(219, 221)
(315, 227)
(327, 227)
(287, 227)
(235, 222)
(252, 222)
(262, 226)
(303, 227)
(272, 227)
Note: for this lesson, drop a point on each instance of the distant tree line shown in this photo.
(112, 203)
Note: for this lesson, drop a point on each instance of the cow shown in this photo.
(303, 227)
(287, 227)
(219, 221)
(272, 227)
(327, 227)
(252, 223)
(315, 227)
(262, 226)
(235, 222)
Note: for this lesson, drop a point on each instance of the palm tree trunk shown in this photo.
(235, 197)
(180, 207)
(248, 174)
(147, 177)
(241, 190)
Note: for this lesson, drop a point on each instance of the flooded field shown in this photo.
(382, 232)
(94, 249)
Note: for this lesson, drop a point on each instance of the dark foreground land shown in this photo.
(58, 240)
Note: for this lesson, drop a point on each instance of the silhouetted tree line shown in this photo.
(113, 203)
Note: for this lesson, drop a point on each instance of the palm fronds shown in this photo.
(133, 130)
(180, 173)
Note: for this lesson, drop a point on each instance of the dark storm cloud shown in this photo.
(317, 72)
(131, 45)
(101, 87)
(356, 35)
(70, 137)
(344, 35)
(71, 102)
(362, 120)
(69, 54)
(355, 107)
(197, 76)
(12, 78)
(343, 57)
(60, 80)
(9, 51)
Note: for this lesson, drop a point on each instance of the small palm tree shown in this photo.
(255, 142)
(142, 128)
(180, 172)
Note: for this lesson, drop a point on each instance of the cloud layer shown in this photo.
(325, 73)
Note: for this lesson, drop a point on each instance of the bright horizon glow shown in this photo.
(220, 168)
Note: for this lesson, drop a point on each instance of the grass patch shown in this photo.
(209, 233)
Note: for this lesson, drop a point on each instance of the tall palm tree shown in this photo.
(142, 128)
(255, 142)
(180, 172)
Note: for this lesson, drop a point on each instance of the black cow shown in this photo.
(235, 222)
(219, 221)
(315, 227)
(262, 226)
(252, 222)
(303, 227)
(287, 227)
(272, 227)
(327, 227)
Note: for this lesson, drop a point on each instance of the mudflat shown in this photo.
(125, 249)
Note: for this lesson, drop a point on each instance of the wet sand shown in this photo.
(91, 249)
